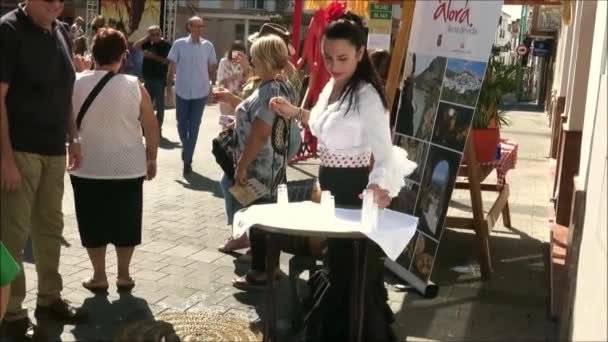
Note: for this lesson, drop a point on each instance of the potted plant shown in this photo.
(500, 80)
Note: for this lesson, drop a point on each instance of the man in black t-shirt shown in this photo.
(36, 124)
(155, 68)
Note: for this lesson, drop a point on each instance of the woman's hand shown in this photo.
(240, 58)
(150, 169)
(223, 95)
(81, 63)
(74, 156)
(381, 196)
(283, 107)
(240, 176)
(10, 175)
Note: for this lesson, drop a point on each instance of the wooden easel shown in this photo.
(399, 50)
(481, 223)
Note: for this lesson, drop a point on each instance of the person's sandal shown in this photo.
(245, 258)
(232, 245)
(248, 282)
(97, 287)
(125, 286)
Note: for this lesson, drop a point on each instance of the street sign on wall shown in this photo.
(380, 25)
(541, 48)
(522, 50)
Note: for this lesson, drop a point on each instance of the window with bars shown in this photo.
(239, 31)
(253, 4)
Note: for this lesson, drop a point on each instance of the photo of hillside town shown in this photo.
(423, 76)
(462, 81)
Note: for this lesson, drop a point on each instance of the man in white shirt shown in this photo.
(194, 64)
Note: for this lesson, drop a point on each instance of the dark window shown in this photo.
(252, 4)
(239, 31)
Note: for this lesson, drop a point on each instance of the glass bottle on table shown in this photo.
(282, 194)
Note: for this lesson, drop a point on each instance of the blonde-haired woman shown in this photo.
(254, 119)
(269, 57)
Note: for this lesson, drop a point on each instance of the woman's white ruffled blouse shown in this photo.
(360, 133)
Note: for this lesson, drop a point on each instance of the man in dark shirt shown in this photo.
(36, 122)
(155, 68)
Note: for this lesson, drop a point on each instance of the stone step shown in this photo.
(558, 271)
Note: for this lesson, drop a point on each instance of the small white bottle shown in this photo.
(282, 194)
(326, 204)
(325, 197)
(368, 197)
(373, 212)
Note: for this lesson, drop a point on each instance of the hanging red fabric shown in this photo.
(312, 58)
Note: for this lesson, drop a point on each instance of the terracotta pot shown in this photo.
(492, 123)
(485, 142)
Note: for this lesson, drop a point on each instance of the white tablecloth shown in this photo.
(393, 232)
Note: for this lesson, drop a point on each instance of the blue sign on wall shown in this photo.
(542, 48)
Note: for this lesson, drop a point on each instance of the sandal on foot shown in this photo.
(95, 286)
(245, 258)
(125, 286)
(248, 282)
(232, 245)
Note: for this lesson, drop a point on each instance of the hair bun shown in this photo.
(353, 19)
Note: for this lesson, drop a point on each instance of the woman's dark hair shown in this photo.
(381, 59)
(236, 46)
(350, 28)
(109, 46)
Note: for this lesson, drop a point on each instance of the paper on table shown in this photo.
(394, 230)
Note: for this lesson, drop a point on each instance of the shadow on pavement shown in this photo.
(167, 144)
(128, 318)
(48, 330)
(523, 107)
(197, 182)
(512, 305)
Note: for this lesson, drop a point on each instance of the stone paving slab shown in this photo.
(177, 268)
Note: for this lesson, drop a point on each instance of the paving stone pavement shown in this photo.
(178, 268)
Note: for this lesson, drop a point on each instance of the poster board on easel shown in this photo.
(442, 50)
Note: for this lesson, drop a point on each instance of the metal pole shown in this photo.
(246, 33)
(297, 26)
